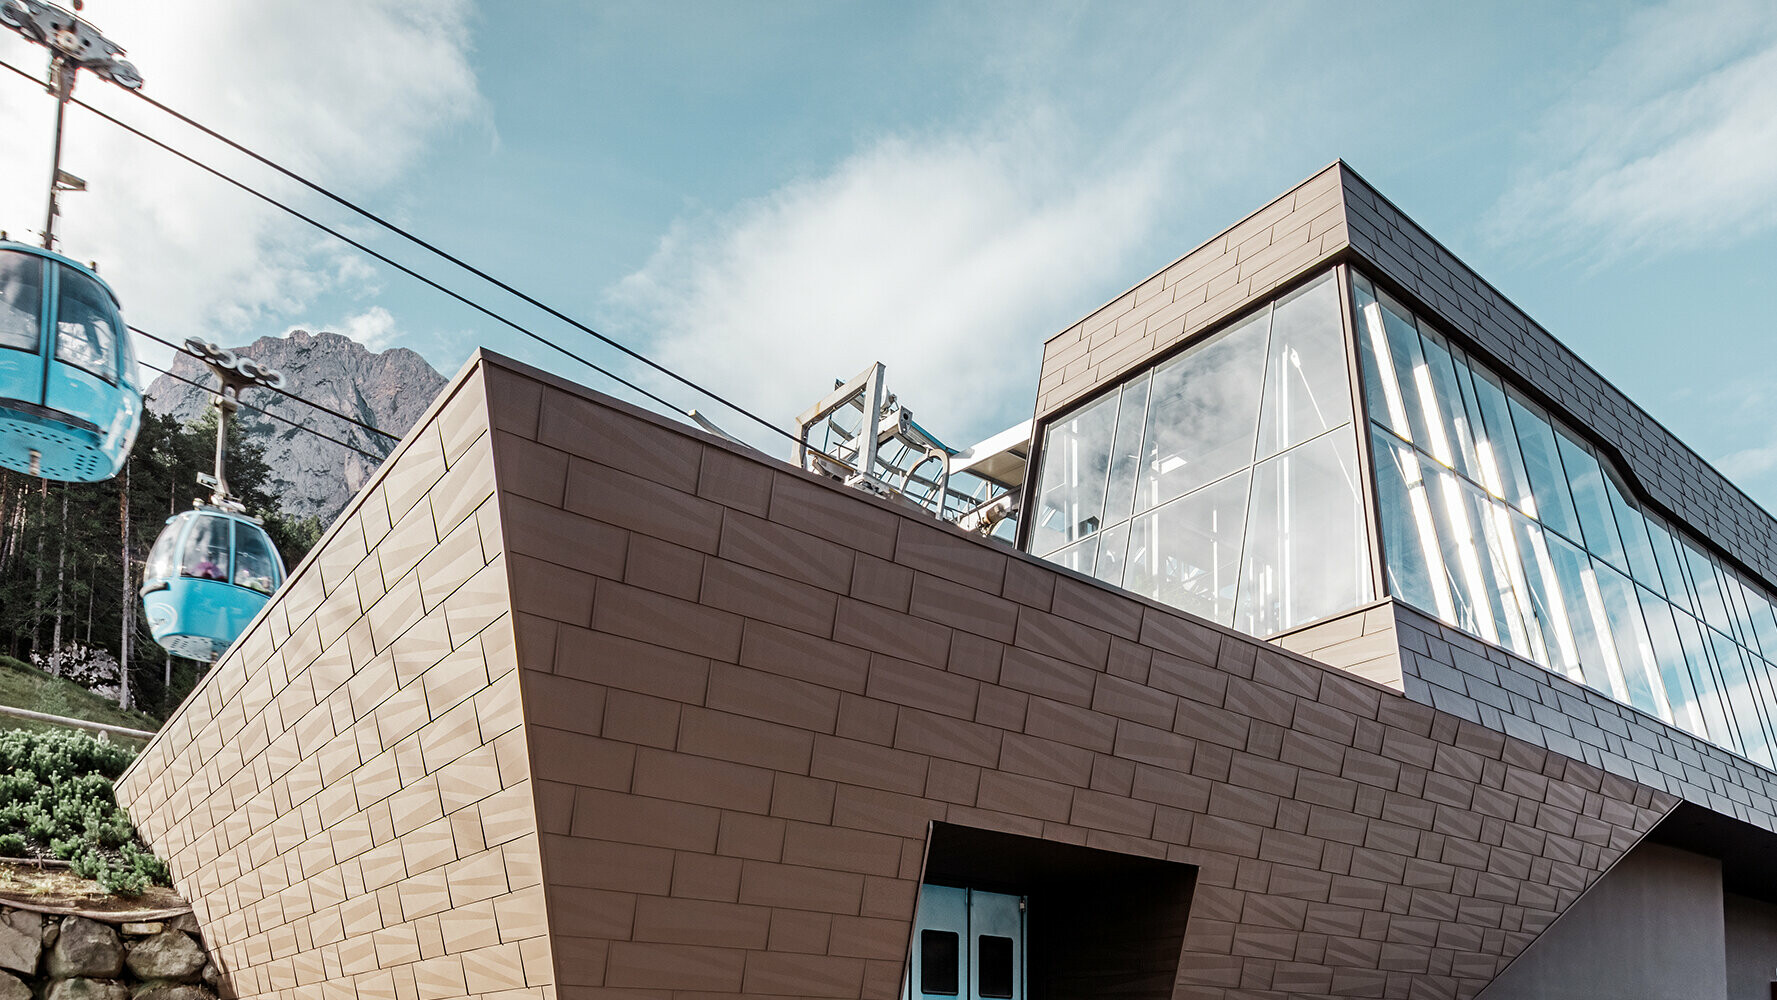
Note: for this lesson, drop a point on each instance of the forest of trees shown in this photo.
(71, 559)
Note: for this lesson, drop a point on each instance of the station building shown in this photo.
(1359, 640)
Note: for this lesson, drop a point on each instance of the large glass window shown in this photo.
(86, 325)
(206, 548)
(1501, 521)
(21, 300)
(1223, 481)
(1070, 493)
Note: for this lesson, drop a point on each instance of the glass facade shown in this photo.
(1224, 480)
(1500, 520)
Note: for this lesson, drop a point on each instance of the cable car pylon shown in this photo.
(70, 398)
(213, 567)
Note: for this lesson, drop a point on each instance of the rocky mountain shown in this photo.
(390, 390)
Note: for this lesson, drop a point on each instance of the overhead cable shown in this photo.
(283, 392)
(268, 199)
(459, 262)
(281, 419)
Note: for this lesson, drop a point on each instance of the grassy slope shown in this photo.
(24, 686)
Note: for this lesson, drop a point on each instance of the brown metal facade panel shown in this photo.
(735, 773)
(346, 797)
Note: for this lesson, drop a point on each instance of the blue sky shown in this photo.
(772, 195)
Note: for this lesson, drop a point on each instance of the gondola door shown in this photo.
(967, 945)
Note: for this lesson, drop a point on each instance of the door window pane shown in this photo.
(1187, 553)
(21, 300)
(1305, 554)
(1203, 414)
(938, 962)
(1076, 458)
(1597, 524)
(1306, 383)
(995, 977)
(86, 325)
(1548, 479)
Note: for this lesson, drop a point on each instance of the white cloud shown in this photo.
(374, 328)
(1670, 141)
(348, 92)
(948, 258)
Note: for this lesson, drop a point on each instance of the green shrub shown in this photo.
(56, 800)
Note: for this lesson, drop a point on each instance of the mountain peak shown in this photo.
(389, 389)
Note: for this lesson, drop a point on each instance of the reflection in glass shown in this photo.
(86, 324)
(1382, 385)
(1187, 553)
(1306, 387)
(1681, 694)
(1586, 621)
(1132, 413)
(1707, 586)
(1448, 415)
(1547, 601)
(1502, 466)
(21, 300)
(1305, 554)
(1587, 480)
(1548, 480)
(1070, 494)
(1203, 414)
(1643, 565)
(1414, 561)
(1078, 557)
(1708, 683)
(1113, 543)
(1742, 700)
(1635, 651)
(1677, 588)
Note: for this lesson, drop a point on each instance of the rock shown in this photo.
(172, 991)
(212, 975)
(86, 948)
(85, 989)
(390, 390)
(52, 928)
(186, 922)
(12, 989)
(143, 929)
(21, 941)
(168, 955)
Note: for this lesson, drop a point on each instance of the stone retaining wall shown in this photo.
(51, 956)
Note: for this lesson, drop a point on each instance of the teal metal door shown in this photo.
(967, 945)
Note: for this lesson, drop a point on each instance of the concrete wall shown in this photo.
(345, 798)
(1751, 933)
(1650, 929)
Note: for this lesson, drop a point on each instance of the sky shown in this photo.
(769, 196)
